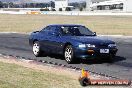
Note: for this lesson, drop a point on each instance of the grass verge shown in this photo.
(16, 74)
(100, 24)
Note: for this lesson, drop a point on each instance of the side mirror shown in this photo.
(35, 31)
(94, 33)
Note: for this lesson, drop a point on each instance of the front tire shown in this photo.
(36, 49)
(69, 54)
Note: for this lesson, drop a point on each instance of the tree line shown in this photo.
(78, 5)
(26, 5)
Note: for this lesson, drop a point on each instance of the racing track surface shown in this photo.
(121, 67)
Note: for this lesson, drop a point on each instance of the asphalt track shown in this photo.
(17, 45)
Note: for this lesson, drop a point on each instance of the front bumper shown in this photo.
(93, 52)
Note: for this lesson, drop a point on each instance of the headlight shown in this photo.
(82, 46)
(90, 45)
(112, 45)
(86, 45)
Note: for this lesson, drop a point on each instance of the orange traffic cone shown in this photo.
(85, 73)
(84, 79)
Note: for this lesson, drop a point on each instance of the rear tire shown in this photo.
(69, 54)
(36, 49)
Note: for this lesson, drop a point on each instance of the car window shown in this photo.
(64, 30)
(76, 31)
(48, 29)
(83, 31)
(45, 29)
(53, 28)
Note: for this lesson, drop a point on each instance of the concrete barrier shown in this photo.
(12, 12)
(84, 13)
(70, 13)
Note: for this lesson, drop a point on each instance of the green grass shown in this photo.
(15, 76)
(101, 24)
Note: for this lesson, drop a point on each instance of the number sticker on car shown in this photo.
(104, 50)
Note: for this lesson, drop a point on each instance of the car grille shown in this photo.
(103, 46)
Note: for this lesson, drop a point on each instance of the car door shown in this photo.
(55, 43)
(44, 39)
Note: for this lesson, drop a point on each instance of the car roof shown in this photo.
(64, 25)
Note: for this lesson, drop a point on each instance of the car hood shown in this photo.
(91, 39)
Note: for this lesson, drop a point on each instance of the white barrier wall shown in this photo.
(60, 4)
(85, 13)
(12, 12)
(75, 13)
(127, 6)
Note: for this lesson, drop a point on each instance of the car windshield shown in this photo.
(76, 31)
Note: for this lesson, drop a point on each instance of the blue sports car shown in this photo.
(72, 41)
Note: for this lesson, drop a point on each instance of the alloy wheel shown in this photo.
(68, 54)
(36, 49)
